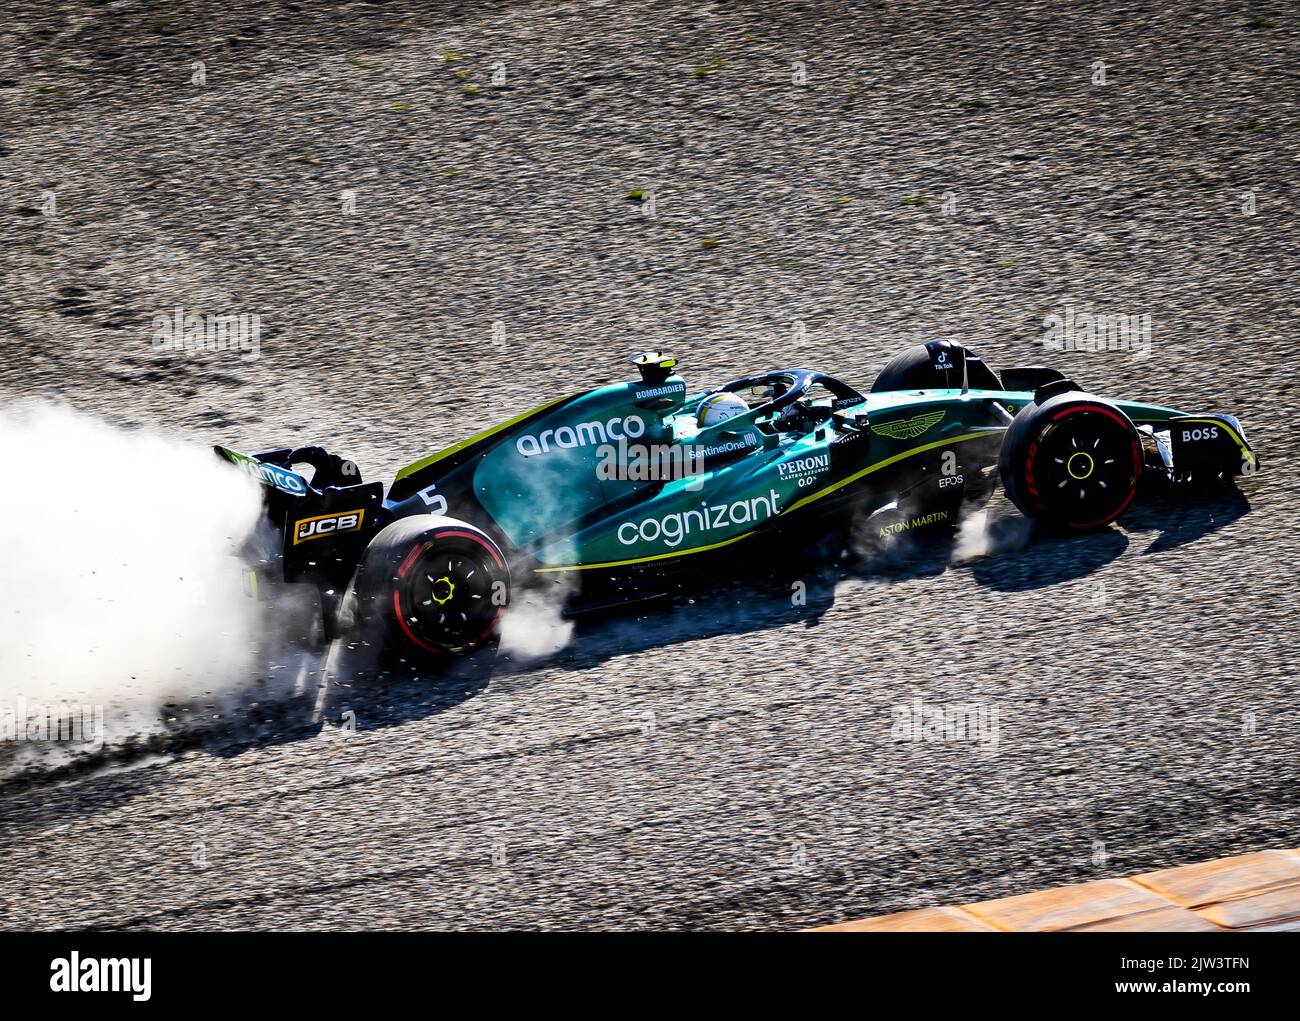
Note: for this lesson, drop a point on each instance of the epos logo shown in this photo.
(325, 525)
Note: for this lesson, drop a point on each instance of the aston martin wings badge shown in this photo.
(908, 428)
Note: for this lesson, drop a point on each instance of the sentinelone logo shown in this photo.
(41, 721)
(132, 975)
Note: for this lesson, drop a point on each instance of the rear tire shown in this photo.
(1071, 463)
(435, 585)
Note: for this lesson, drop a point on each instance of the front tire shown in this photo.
(436, 585)
(1071, 463)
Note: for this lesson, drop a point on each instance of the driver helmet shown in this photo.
(719, 407)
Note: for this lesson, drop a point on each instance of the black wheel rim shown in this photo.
(1082, 468)
(448, 597)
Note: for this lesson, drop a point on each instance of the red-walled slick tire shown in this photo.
(1071, 463)
(438, 585)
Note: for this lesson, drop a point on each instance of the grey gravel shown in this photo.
(730, 763)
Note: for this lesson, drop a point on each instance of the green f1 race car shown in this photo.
(640, 479)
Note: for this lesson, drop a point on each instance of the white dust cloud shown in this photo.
(533, 625)
(984, 533)
(121, 586)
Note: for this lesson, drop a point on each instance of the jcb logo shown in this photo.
(326, 525)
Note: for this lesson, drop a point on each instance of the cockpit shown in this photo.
(763, 411)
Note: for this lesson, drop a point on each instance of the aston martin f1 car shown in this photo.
(634, 478)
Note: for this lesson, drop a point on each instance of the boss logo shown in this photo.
(1209, 432)
(326, 525)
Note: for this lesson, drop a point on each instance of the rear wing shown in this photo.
(326, 521)
(269, 469)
